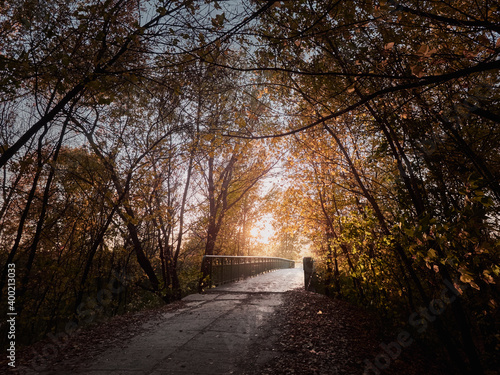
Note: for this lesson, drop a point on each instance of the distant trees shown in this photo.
(228, 169)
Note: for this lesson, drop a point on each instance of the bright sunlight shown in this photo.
(263, 230)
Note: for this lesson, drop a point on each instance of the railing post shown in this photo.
(215, 271)
(308, 263)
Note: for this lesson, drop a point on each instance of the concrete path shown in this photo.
(212, 335)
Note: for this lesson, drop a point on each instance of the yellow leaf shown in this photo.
(488, 278)
(432, 253)
(465, 278)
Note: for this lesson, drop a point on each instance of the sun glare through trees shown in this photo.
(263, 231)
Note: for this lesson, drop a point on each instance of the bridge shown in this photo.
(225, 269)
(212, 333)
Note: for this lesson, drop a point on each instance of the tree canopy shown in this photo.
(135, 138)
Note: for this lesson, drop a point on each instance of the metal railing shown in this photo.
(310, 277)
(225, 269)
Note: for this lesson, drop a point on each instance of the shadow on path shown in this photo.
(211, 335)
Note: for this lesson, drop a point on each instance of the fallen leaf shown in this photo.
(418, 71)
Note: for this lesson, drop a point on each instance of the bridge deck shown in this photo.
(211, 335)
(278, 281)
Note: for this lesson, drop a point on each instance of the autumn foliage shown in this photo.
(135, 138)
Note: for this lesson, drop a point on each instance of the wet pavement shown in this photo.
(213, 334)
(278, 281)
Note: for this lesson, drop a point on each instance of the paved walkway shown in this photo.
(212, 335)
